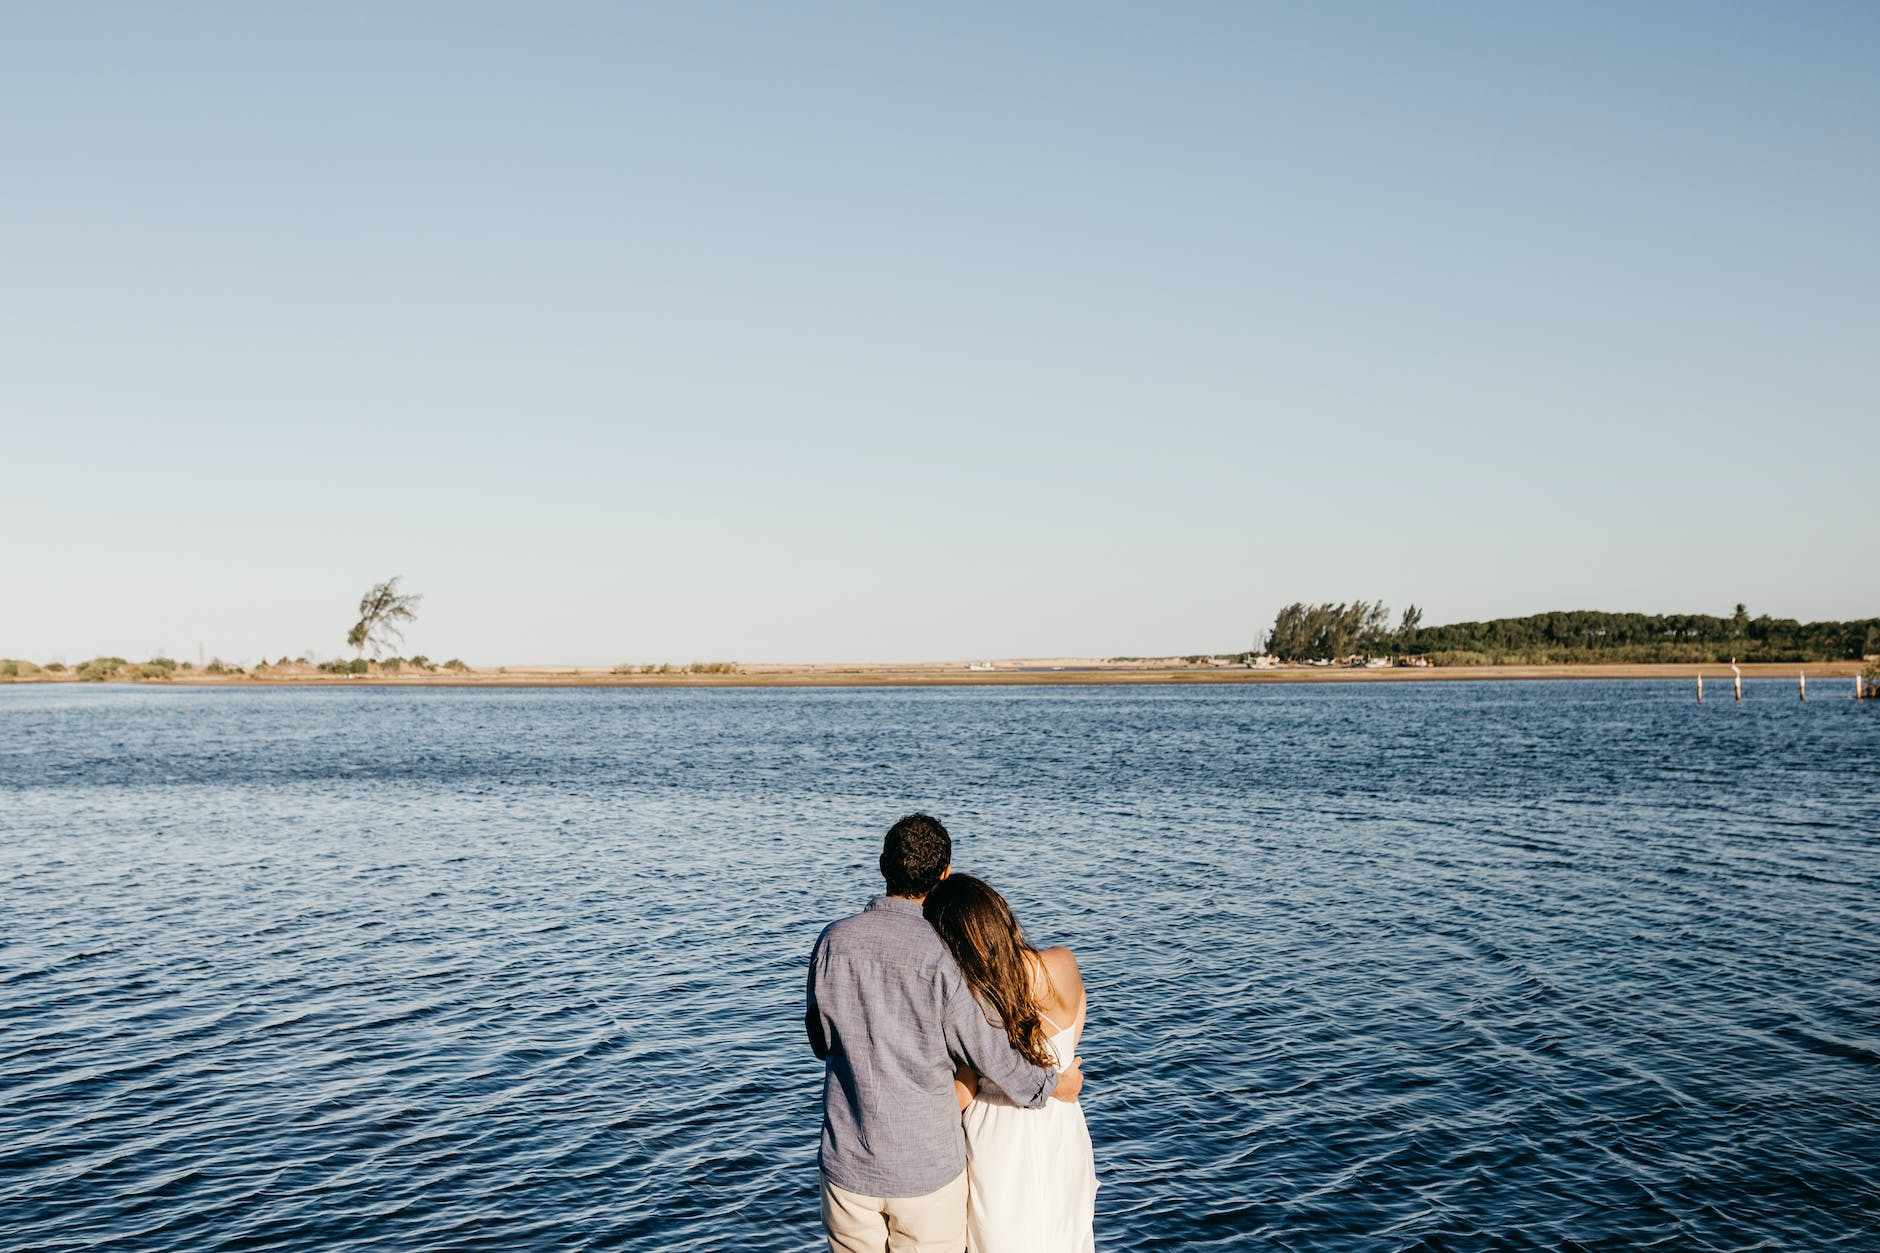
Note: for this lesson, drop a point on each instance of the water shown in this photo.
(1372, 967)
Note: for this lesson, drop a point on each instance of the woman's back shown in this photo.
(1032, 1179)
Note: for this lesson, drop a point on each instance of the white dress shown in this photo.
(1031, 1180)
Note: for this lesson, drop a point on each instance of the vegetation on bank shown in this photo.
(1329, 632)
(1332, 631)
(697, 667)
(381, 611)
(630, 668)
(117, 669)
(103, 669)
(1304, 632)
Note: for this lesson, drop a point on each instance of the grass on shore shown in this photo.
(159, 669)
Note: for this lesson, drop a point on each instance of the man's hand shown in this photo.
(1070, 1081)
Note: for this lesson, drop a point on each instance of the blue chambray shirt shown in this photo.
(896, 1014)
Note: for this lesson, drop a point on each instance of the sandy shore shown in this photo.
(1055, 671)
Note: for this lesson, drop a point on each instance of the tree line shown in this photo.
(1335, 631)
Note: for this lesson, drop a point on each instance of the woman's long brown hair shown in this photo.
(982, 932)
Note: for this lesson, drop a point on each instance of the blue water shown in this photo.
(1372, 967)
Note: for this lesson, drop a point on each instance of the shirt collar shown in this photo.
(899, 904)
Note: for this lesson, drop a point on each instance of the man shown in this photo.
(890, 1015)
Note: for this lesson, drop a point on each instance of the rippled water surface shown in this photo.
(1372, 967)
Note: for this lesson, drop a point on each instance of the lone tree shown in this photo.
(380, 611)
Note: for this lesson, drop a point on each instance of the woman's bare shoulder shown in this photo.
(1064, 983)
(1059, 960)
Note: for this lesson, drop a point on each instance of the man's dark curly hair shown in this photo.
(917, 849)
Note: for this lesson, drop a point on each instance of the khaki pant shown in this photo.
(935, 1223)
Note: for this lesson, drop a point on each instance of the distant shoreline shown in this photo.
(1054, 672)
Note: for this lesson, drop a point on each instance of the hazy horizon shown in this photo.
(840, 333)
(200, 652)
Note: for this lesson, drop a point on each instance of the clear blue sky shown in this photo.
(819, 332)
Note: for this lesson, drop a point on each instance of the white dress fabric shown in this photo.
(1031, 1179)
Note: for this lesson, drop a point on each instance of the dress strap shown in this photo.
(1077, 1019)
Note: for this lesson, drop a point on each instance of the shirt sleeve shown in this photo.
(814, 1024)
(986, 1048)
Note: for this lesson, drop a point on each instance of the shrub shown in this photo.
(421, 662)
(358, 665)
(392, 665)
(218, 666)
(454, 664)
(151, 670)
(1872, 670)
(55, 667)
(98, 669)
(1459, 658)
(162, 663)
(713, 667)
(624, 669)
(9, 669)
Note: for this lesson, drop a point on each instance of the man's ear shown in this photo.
(946, 870)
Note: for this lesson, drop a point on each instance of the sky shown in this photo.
(634, 333)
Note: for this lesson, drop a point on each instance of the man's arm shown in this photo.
(984, 1047)
(812, 1017)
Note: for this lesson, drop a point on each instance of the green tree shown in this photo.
(1328, 631)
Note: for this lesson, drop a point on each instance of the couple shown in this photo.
(950, 1115)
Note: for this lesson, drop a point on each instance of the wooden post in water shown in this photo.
(1700, 689)
(1739, 679)
(1804, 679)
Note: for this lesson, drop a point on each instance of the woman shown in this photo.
(1030, 1177)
